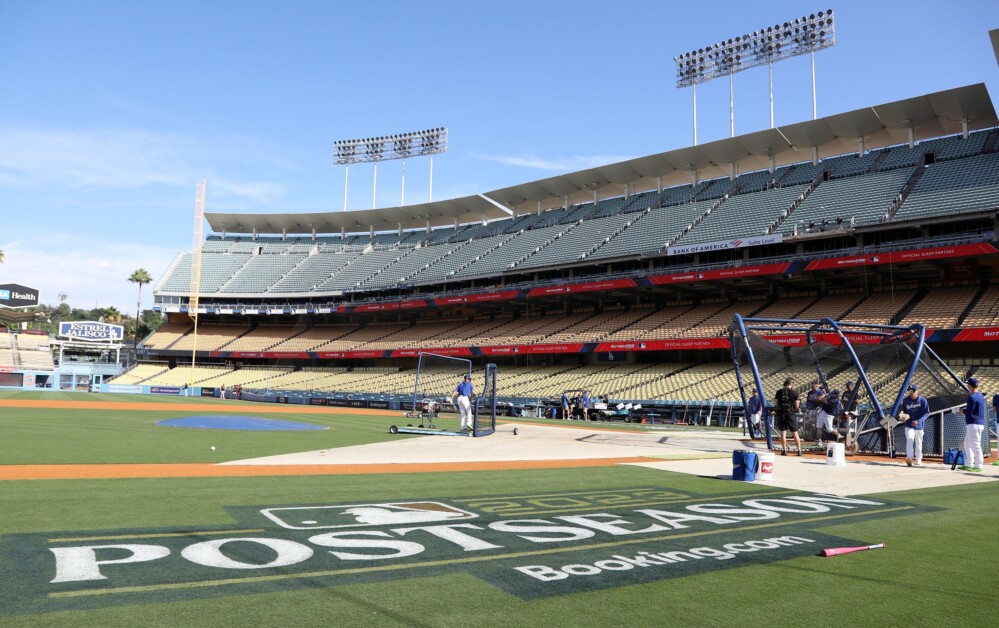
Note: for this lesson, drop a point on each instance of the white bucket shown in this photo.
(766, 466)
(835, 454)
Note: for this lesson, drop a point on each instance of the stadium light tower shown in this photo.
(803, 35)
(375, 149)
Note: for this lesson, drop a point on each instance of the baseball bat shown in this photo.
(956, 458)
(836, 551)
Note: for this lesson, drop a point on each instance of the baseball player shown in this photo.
(974, 419)
(828, 411)
(915, 410)
(755, 411)
(463, 393)
(787, 414)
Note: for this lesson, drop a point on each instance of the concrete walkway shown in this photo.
(694, 451)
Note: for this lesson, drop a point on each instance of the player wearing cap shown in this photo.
(974, 424)
(995, 406)
(755, 411)
(463, 393)
(915, 410)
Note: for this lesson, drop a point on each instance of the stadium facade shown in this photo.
(621, 279)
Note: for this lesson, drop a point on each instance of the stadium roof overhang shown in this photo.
(928, 116)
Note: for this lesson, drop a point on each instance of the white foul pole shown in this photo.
(192, 301)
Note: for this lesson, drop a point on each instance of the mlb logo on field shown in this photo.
(360, 515)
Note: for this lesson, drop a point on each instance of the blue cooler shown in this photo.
(745, 465)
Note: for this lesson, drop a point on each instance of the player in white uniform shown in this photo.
(462, 395)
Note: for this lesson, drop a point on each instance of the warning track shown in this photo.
(109, 471)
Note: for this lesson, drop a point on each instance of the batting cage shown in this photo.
(437, 377)
(851, 379)
(485, 404)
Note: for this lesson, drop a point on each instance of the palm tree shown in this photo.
(112, 315)
(140, 276)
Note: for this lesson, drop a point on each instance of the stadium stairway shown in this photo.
(904, 311)
(593, 249)
(972, 303)
(896, 205)
(544, 244)
(693, 224)
(782, 218)
(660, 378)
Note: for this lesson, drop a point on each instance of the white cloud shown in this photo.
(114, 159)
(93, 272)
(569, 163)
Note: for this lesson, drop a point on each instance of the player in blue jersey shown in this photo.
(755, 411)
(566, 410)
(462, 396)
(995, 406)
(974, 420)
(915, 409)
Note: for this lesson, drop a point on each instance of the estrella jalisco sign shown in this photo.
(91, 331)
(530, 546)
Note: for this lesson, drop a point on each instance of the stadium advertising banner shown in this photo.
(92, 331)
(529, 349)
(721, 245)
(350, 354)
(978, 334)
(721, 273)
(449, 351)
(410, 305)
(612, 284)
(505, 295)
(376, 307)
(125, 388)
(679, 344)
(901, 257)
(14, 295)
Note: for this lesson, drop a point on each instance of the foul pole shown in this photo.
(192, 301)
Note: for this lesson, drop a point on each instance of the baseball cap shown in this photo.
(912, 387)
(468, 377)
(849, 383)
(972, 381)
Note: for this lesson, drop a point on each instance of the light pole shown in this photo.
(401, 146)
(804, 35)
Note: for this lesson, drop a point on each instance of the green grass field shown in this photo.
(937, 569)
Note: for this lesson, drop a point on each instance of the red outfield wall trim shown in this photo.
(901, 257)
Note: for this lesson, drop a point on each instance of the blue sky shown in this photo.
(111, 112)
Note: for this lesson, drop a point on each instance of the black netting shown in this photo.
(437, 376)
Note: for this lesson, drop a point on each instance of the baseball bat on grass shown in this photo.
(836, 551)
